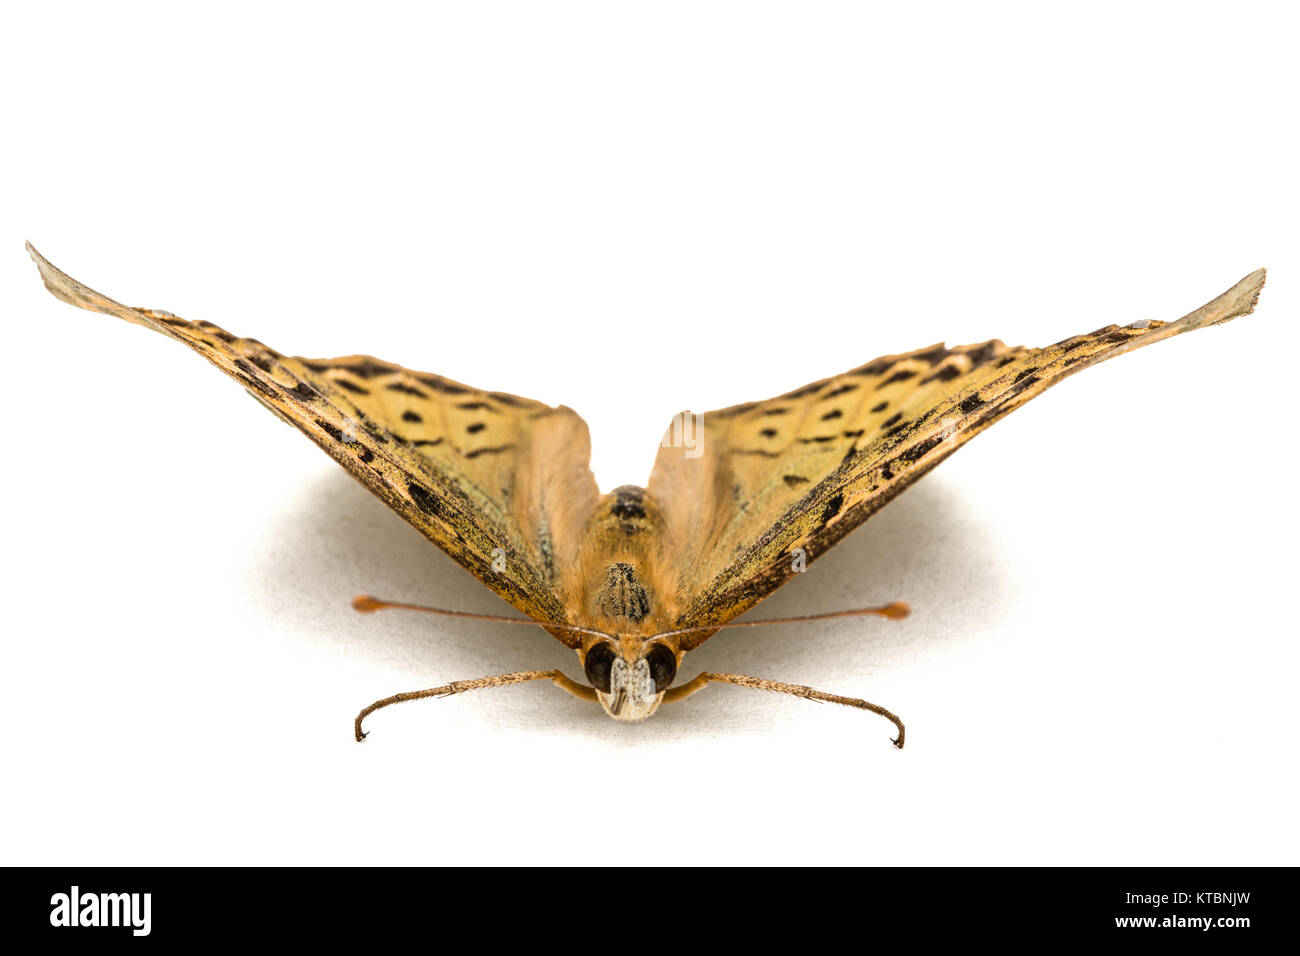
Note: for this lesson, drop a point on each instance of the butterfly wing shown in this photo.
(803, 469)
(484, 475)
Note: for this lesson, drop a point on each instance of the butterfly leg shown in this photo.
(482, 683)
(798, 690)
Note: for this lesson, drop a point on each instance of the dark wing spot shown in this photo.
(349, 386)
(406, 389)
(369, 369)
(970, 403)
(494, 450)
(946, 373)
(303, 392)
(841, 390)
(983, 354)
(475, 428)
(424, 498)
(442, 385)
(833, 507)
(801, 392)
(793, 480)
(330, 430)
(251, 379)
(902, 376)
(920, 448)
(879, 408)
(832, 414)
(410, 416)
(892, 420)
(768, 432)
(878, 367)
(736, 410)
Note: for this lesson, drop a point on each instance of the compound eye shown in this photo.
(663, 666)
(598, 664)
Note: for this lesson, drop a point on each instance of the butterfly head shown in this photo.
(630, 675)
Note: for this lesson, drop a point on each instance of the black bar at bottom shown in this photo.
(375, 907)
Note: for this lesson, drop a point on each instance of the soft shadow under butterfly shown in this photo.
(739, 500)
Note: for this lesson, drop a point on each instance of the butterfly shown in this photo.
(739, 500)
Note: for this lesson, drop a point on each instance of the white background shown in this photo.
(633, 209)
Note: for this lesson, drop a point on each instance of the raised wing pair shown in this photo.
(740, 499)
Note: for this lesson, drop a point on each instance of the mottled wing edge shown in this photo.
(433, 510)
(839, 503)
